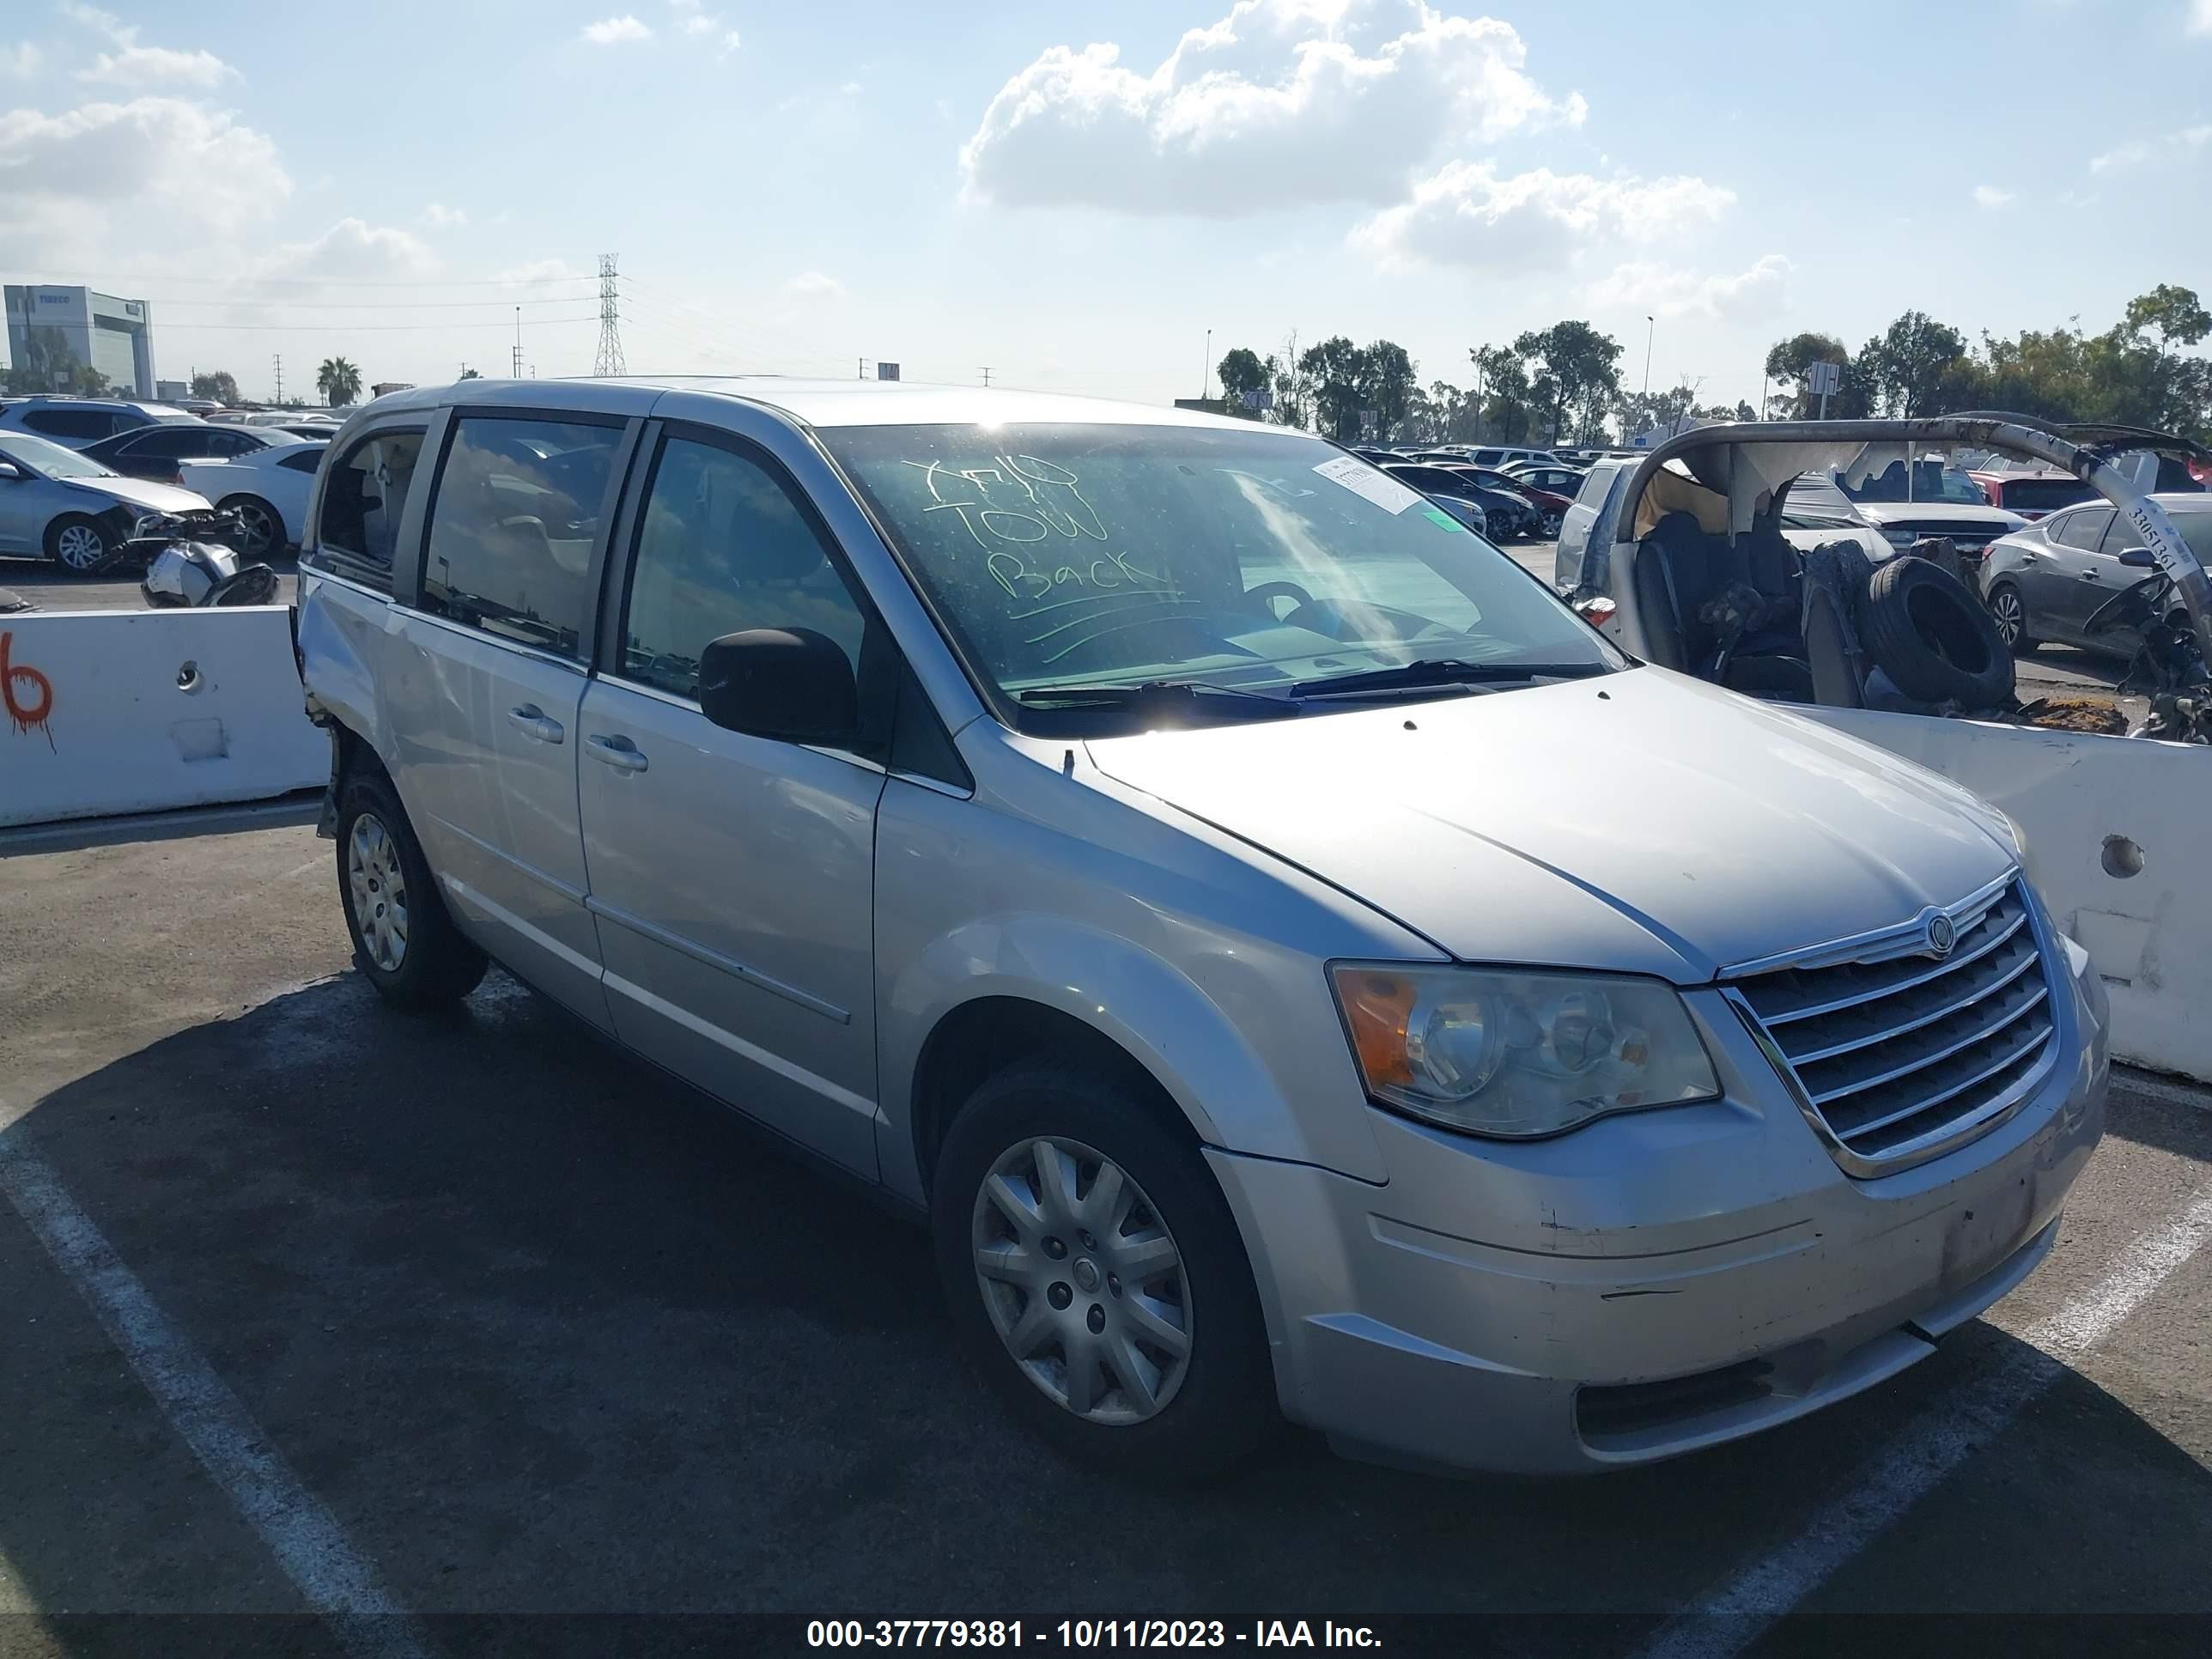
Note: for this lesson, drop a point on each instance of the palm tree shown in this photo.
(338, 380)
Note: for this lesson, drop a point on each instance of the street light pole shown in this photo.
(1651, 328)
(1205, 366)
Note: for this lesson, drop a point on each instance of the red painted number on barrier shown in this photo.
(28, 694)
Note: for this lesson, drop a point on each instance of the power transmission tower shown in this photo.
(516, 374)
(986, 375)
(278, 359)
(610, 358)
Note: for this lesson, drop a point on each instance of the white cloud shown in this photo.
(1466, 215)
(530, 270)
(2200, 16)
(1745, 296)
(613, 31)
(133, 65)
(352, 251)
(23, 59)
(439, 216)
(731, 43)
(815, 284)
(2166, 145)
(1281, 103)
(851, 88)
(169, 152)
(1989, 196)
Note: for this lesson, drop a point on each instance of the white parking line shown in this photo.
(305, 1539)
(1918, 1457)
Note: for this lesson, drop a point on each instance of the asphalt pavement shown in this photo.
(474, 1322)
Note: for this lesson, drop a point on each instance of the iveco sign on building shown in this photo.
(58, 332)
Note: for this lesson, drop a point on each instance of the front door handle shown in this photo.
(618, 752)
(533, 720)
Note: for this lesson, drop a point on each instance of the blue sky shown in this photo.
(792, 189)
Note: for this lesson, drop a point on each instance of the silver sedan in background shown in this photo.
(56, 504)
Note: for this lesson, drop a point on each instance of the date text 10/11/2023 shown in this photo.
(1086, 1634)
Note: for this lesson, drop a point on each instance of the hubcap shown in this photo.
(2009, 621)
(1082, 1281)
(80, 547)
(380, 892)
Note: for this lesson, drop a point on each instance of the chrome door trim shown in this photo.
(730, 965)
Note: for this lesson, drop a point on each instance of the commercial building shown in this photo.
(57, 333)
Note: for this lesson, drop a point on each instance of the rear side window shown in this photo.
(79, 424)
(513, 527)
(305, 461)
(1595, 486)
(366, 495)
(723, 547)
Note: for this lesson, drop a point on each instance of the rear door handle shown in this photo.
(618, 752)
(532, 721)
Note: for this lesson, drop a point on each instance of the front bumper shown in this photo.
(1652, 1284)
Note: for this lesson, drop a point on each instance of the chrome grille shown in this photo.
(1898, 1053)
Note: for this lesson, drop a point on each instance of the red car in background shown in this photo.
(2032, 495)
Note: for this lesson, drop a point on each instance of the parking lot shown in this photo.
(538, 1333)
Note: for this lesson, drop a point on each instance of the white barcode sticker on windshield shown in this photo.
(1361, 479)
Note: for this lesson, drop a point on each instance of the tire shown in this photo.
(79, 544)
(1929, 633)
(1220, 1404)
(429, 965)
(2008, 611)
(262, 525)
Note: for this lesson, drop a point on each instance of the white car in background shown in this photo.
(268, 487)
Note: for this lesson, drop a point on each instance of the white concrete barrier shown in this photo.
(2118, 831)
(140, 711)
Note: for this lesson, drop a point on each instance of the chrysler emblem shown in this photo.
(1942, 935)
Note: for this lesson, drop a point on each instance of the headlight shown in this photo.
(1900, 537)
(1518, 1054)
(148, 523)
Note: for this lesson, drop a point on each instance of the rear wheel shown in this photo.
(1550, 526)
(78, 544)
(403, 938)
(257, 523)
(1096, 1276)
(2009, 611)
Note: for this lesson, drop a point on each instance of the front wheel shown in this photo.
(1095, 1275)
(78, 544)
(2009, 611)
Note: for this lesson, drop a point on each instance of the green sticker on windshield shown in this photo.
(1438, 515)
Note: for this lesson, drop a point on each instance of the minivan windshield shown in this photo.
(1132, 555)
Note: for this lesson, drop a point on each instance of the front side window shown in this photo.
(71, 422)
(724, 547)
(513, 527)
(1083, 554)
(2082, 529)
(366, 495)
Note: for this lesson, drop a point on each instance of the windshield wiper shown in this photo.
(1443, 671)
(1161, 695)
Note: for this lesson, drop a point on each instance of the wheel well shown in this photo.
(979, 1039)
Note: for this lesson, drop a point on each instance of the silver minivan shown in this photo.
(1293, 964)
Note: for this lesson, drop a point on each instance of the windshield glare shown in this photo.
(1065, 555)
(50, 459)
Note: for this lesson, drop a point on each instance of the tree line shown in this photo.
(1562, 384)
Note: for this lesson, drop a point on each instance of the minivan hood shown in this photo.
(1880, 512)
(143, 492)
(1640, 821)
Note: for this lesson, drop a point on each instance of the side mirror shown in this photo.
(9, 472)
(790, 683)
(2139, 558)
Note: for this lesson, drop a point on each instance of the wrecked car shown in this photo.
(1698, 562)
